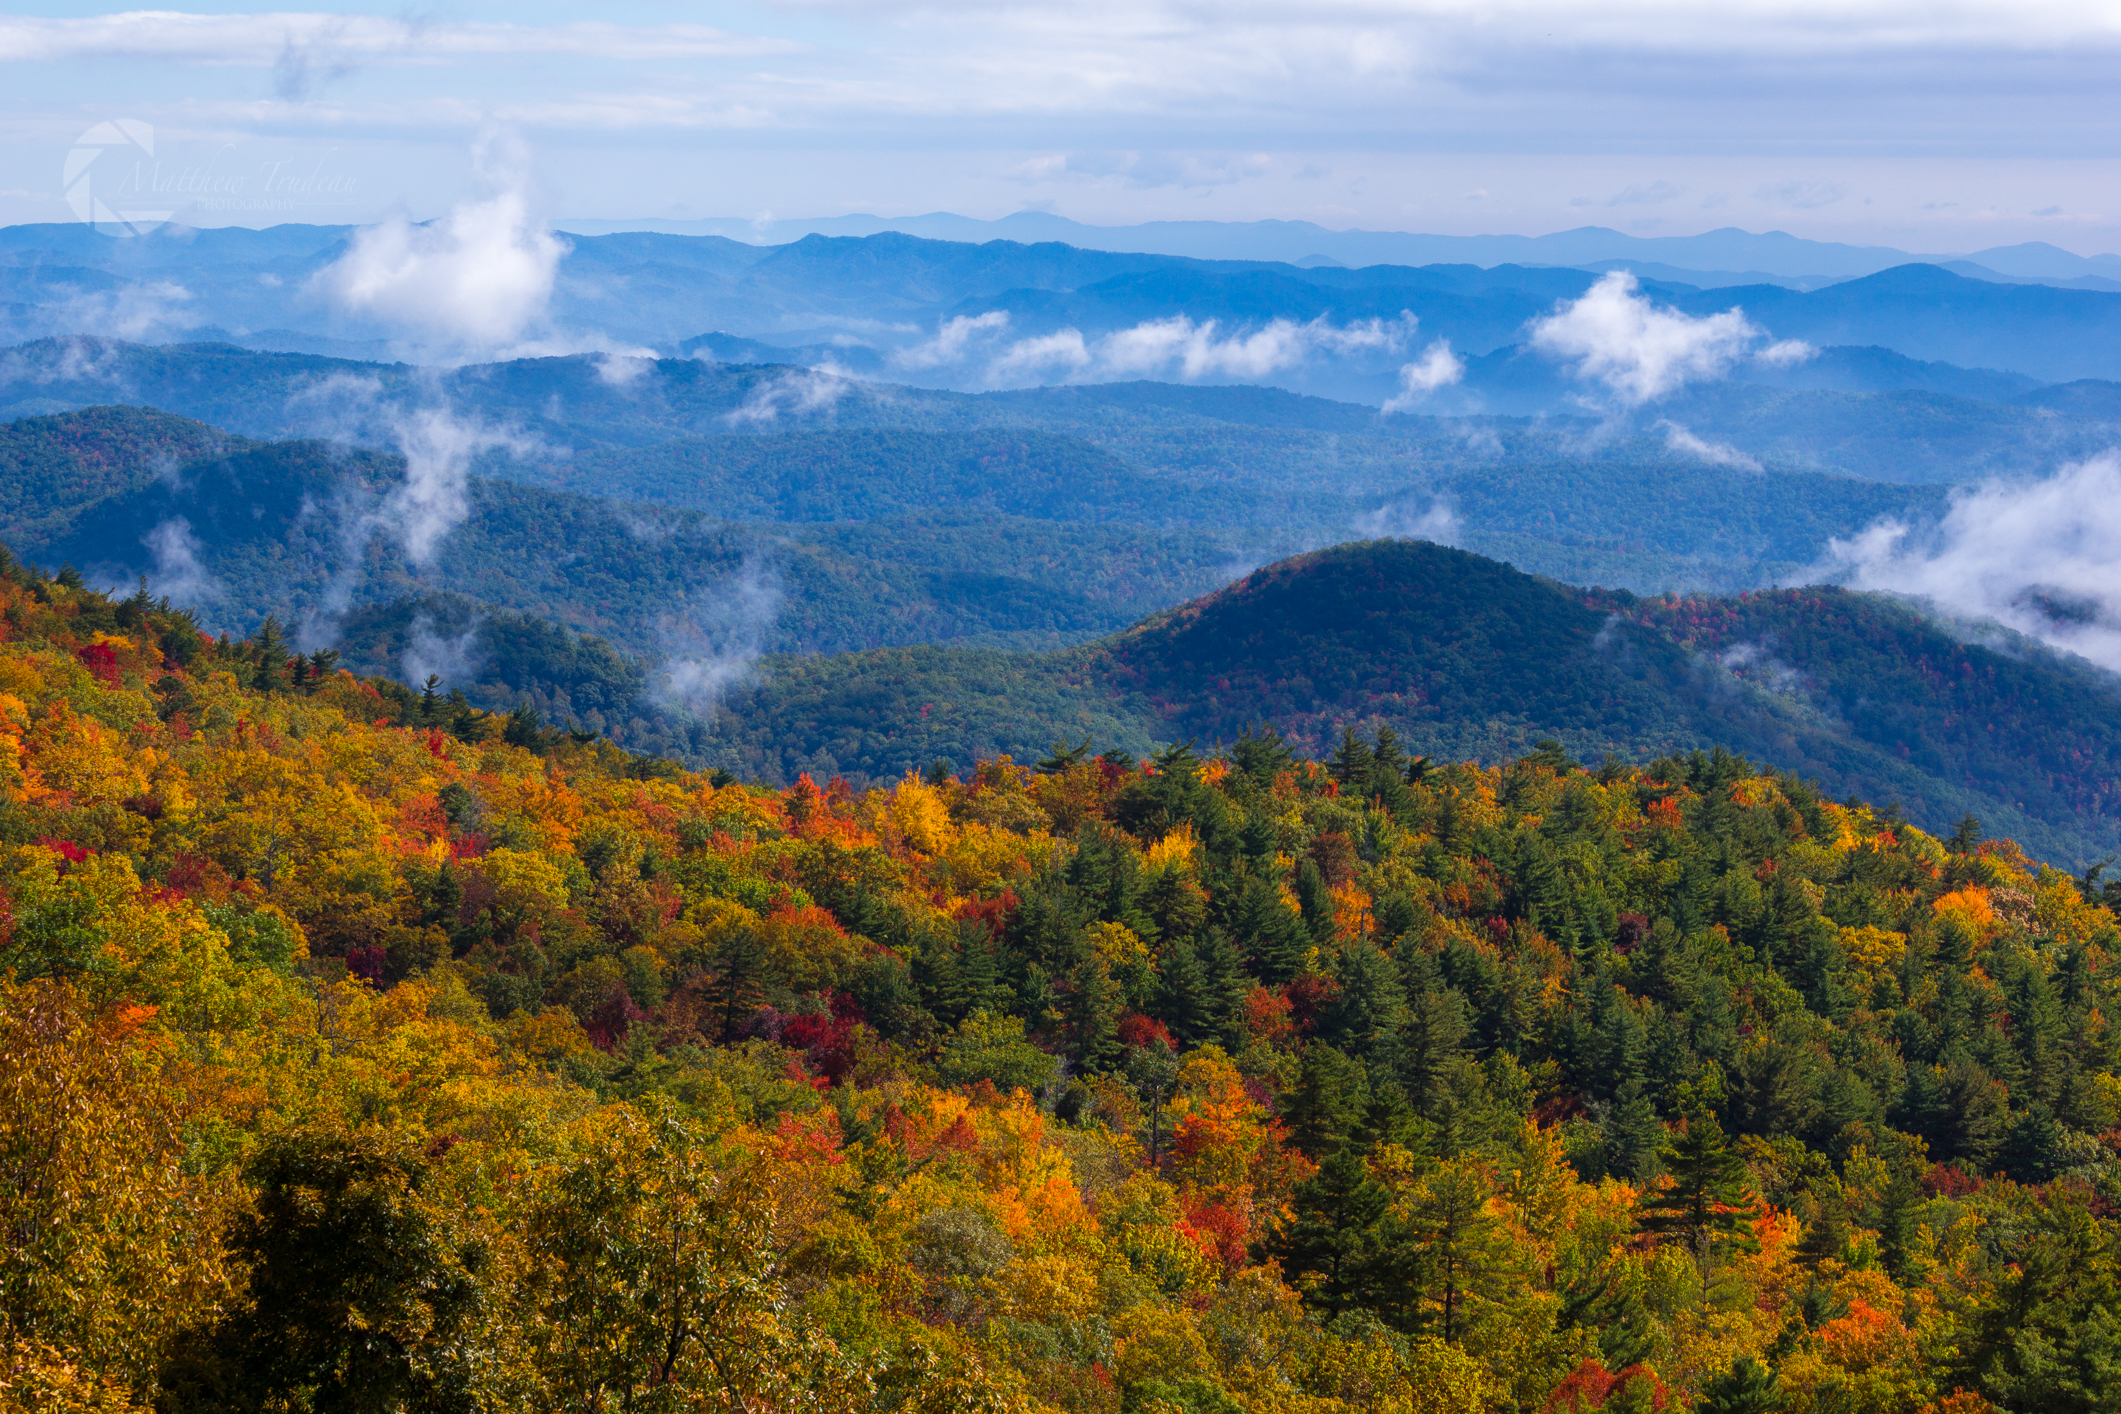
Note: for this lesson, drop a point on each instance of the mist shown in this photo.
(2043, 558)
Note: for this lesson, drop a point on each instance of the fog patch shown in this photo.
(1437, 368)
(1436, 522)
(2043, 558)
(799, 393)
(1179, 348)
(1687, 444)
(180, 575)
(454, 658)
(712, 644)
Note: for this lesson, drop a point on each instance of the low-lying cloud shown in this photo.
(1435, 521)
(1687, 444)
(1437, 368)
(180, 572)
(434, 498)
(2043, 558)
(953, 340)
(453, 658)
(1613, 335)
(713, 643)
(799, 393)
(474, 280)
(1178, 347)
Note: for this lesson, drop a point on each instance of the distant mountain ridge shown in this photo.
(1727, 249)
(877, 304)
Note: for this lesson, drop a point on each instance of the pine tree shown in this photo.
(1093, 1010)
(1335, 1233)
(1748, 1387)
(1350, 767)
(1367, 1015)
(1706, 1204)
(1315, 899)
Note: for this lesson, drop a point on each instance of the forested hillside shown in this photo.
(1466, 657)
(361, 1050)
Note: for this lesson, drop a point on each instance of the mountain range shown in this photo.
(1004, 313)
(885, 598)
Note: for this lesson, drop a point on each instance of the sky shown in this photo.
(1933, 127)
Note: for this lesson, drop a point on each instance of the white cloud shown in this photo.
(320, 39)
(179, 572)
(455, 660)
(1437, 521)
(714, 642)
(952, 339)
(1641, 352)
(434, 497)
(474, 280)
(1177, 346)
(1686, 443)
(1437, 368)
(1027, 358)
(2043, 558)
(798, 392)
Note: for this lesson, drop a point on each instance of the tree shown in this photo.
(1335, 1237)
(653, 1261)
(1153, 1070)
(1705, 1203)
(362, 1298)
(1465, 1257)
(1748, 1387)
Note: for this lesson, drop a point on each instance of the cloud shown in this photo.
(434, 497)
(2042, 558)
(322, 39)
(713, 644)
(454, 659)
(179, 573)
(1684, 442)
(1176, 346)
(1436, 521)
(1150, 170)
(623, 370)
(951, 340)
(1437, 368)
(1641, 352)
(474, 280)
(1801, 195)
(133, 312)
(798, 392)
(1027, 357)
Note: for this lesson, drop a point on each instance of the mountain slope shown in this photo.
(1466, 657)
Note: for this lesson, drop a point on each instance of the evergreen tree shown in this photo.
(1336, 1233)
(1706, 1204)
(1327, 1101)
(1153, 1071)
(1368, 1013)
(1350, 766)
(1316, 901)
(1093, 1010)
(1748, 1387)
(1466, 1259)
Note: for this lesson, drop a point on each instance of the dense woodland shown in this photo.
(362, 1050)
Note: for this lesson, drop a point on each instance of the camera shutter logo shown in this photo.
(110, 143)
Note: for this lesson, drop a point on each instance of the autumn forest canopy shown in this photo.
(363, 1049)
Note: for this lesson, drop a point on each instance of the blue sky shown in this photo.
(1928, 126)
